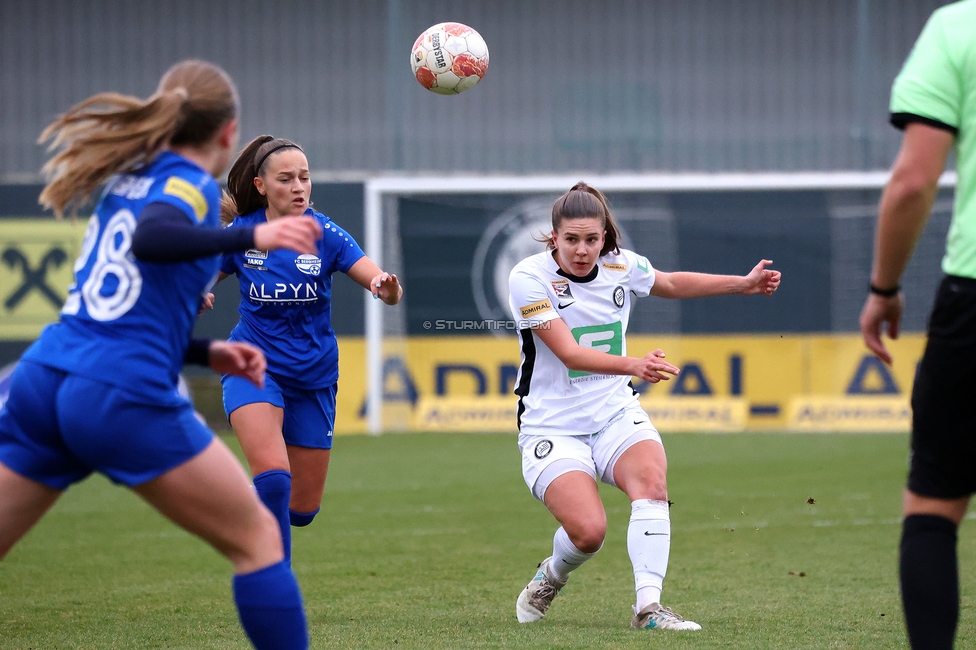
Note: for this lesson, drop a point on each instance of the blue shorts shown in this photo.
(57, 428)
(309, 414)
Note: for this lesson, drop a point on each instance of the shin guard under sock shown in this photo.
(269, 604)
(274, 489)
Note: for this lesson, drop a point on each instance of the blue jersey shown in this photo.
(286, 303)
(126, 322)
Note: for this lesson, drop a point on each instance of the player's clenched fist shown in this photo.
(762, 280)
(238, 359)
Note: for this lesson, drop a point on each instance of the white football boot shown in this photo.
(662, 618)
(535, 599)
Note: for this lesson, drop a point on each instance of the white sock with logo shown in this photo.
(565, 556)
(649, 545)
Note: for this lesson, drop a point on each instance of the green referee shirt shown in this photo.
(937, 86)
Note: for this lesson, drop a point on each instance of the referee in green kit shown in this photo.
(934, 100)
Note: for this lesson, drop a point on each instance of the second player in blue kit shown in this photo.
(286, 428)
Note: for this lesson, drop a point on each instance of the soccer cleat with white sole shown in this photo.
(661, 618)
(535, 599)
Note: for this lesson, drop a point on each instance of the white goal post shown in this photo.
(378, 188)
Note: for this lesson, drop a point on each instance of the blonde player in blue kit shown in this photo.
(98, 390)
(285, 428)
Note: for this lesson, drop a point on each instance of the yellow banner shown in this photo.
(762, 374)
(850, 414)
(38, 257)
(465, 414)
(485, 414)
(705, 414)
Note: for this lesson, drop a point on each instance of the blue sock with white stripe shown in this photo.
(274, 489)
(269, 604)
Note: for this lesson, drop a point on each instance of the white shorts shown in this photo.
(547, 457)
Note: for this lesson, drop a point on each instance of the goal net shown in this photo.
(452, 241)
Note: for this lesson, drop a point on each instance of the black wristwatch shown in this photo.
(885, 293)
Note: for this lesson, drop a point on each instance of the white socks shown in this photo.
(649, 545)
(565, 556)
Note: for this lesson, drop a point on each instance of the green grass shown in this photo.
(424, 541)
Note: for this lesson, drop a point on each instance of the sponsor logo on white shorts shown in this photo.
(543, 448)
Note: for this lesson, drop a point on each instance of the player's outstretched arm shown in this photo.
(381, 284)
(682, 284)
(557, 337)
(165, 235)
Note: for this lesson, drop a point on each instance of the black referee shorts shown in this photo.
(943, 463)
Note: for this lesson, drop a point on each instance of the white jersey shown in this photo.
(553, 399)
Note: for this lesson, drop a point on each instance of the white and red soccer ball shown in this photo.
(449, 58)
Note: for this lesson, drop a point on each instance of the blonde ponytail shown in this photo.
(110, 133)
(101, 136)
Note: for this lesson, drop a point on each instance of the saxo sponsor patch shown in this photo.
(185, 190)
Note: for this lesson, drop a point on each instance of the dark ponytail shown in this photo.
(242, 197)
(582, 202)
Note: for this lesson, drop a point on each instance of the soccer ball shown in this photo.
(449, 58)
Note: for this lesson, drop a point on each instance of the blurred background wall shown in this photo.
(706, 85)
(583, 87)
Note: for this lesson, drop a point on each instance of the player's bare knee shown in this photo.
(588, 537)
(649, 485)
(259, 544)
(306, 501)
(267, 462)
(266, 527)
(658, 489)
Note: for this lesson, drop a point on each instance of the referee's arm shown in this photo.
(907, 199)
(905, 207)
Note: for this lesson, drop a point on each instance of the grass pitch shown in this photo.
(424, 541)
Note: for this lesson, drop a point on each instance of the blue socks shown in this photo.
(268, 601)
(269, 604)
(302, 518)
(274, 489)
